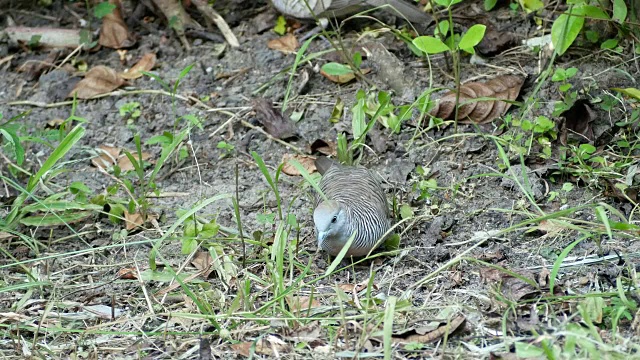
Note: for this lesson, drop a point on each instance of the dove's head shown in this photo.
(330, 219)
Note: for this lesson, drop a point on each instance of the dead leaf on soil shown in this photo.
(127, 274)
(107, 158)
(495, 42)
(577, 121)
(98, 80)
(344, 78)
(269, 346)
(309, 334)
(300, 304)
(352, 287)
(304, 160)
(271, 118)
(324, 147)
(432, 336)
(133, 221)
(54, 124)
(147, 63)
(114, 33)
(487, 108)
(287, 44)
(512, 287)
(125, 164)
(203, 261)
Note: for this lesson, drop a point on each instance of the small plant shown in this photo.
(562, 76)
(10, 140)
(227, 149)
(130, 111)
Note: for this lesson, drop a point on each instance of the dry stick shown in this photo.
(212, 15)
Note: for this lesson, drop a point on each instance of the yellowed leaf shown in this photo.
(304, 160)
(146, 63)
(133, 221)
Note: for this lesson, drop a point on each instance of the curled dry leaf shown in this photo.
(203, 261)
(127, 274)
(272, 120)
(107, 158)
(304, 160)
(287, 44)
(269, 346)
(147, 63)
(577, 122)
(98, 80)
(324, 147)
(133, 221)
(506, 87)
(300, 304)
(114, 33)
(344, 78)
(444, 329)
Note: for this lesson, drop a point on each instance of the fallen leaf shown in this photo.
(272, 120)
(446, 329)
(107, 158)
(324, 147)
(577, 122)
(127, 274)
(506, 87)
(98, 80)
(351, 287)
(125, 164)
(203, 261)
(147, 63)
(494, 41)
(299, 304)
(287, 44)
(269, 346)
(54, 124)
(306, 161)
(132, 221)
(114, 33)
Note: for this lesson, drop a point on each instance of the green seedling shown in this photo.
(130, 111)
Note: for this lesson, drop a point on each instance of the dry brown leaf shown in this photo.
(345, 78)
(306, 161)
(127, 274)
(54, 124)
(324, 147)
(107, 158)
(435, 335)
(267, 347)
(272, 120)
(351, 287)
(147, 63)
(132, 221)
(203, 261)
(299, 304)
(125, 164)
(5, 235)
(287, 44)
(506, 87)
(114, 33)
(98, 80)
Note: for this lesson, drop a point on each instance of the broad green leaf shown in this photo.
(489, 4)
(281, 25)
(595, 12)
(566, 28)
(609, 44)
(472, 37)
(632, 92)
(430, 45)
(336, 69)
(55, 219)
(103, 9)
(619, 11)
(532, 5)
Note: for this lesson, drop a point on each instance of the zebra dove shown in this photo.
(356, 202)
(310, 9)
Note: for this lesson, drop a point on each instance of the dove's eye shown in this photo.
(334, 219)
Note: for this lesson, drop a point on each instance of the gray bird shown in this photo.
(356, 201)
(338, 8)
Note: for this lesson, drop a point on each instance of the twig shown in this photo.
(212, 15)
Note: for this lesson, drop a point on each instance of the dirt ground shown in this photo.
(448, 281)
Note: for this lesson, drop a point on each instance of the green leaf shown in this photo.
(566, 28)
(357, 59)
(406, 212)
(430, 45)
(489, 4)
(595, 12)
(609, 44)
(619, 11)
(281, 25)
(55, 219)
(532, 5)
(336, 69)
(632, 92)
(472, 37)
(103, 9)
